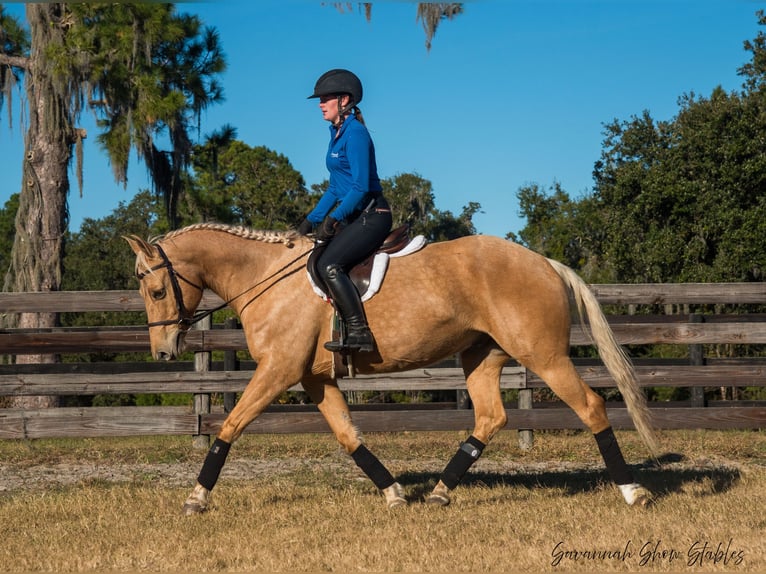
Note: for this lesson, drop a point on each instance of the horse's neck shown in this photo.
(229, 265)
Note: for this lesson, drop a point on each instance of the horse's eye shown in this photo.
(159, 294)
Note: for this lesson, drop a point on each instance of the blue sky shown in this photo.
(512, 93)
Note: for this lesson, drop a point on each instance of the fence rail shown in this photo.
(691, 331)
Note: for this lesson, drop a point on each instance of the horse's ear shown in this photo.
(139, 246)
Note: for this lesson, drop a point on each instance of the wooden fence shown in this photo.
(691, 325)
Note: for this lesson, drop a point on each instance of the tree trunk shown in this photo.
(41, 220)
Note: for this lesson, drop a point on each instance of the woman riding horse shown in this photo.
(353, 204)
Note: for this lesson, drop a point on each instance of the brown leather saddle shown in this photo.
(360, 274)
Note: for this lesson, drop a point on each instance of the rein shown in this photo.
(186, 319)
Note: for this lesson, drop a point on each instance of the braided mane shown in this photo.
(286, 237)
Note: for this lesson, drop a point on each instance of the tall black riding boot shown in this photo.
(349, 305)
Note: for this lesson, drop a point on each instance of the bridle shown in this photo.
(185, 318)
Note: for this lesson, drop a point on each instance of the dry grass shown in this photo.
(293, 503)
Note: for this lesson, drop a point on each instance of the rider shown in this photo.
(352, 217)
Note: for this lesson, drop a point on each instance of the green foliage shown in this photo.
(238, 184)
(754, 71)
(690, 194)
(14, 41)
(123, 400)
(7, 231)
(165, 400)
(97, 258)
(412, 201)
(147, 73)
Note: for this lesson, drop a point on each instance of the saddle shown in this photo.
(362, 273)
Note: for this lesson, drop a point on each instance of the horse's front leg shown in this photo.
(333, 406)
(258, 394)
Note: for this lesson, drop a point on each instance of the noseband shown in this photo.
(185, 319)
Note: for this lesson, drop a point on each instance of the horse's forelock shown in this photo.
(142, 264)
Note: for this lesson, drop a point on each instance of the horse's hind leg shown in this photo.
(334, 408)
(482, 365)
(563, 379)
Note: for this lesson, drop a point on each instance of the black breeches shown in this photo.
(358, 240)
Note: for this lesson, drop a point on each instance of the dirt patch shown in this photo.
(20, 477)
(13, 477)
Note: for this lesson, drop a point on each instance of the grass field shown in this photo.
(295, 503)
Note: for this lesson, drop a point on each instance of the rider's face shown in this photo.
(329, 107)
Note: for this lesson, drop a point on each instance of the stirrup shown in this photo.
(345, 347)
(360, 340)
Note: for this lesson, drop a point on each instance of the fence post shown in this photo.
(230, 363)
(202, 362)
(696, 357)
(526, 436)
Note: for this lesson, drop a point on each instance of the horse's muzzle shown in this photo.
(171, 347)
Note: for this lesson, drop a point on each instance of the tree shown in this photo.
(238, 184)
(14, 45)
(96, 257)
(7, 217)
(754, 71)
(51, 134)
(411, 198)
(151, 72)
(412, 202)
(142, 69)
(429, 14)
(685, 200)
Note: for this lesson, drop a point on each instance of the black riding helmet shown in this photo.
(336, 82)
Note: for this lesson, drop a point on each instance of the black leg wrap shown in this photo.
(214, 461)
(468, 453)
(615, 464)
(372, 467)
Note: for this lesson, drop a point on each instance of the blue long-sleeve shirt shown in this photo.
(353, 172)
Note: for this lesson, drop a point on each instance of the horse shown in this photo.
(484, 298)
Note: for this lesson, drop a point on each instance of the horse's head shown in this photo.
(170, 298)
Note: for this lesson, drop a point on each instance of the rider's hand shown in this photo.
(305, 227)
(327, 229)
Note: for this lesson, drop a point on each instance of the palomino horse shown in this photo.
(482, 297)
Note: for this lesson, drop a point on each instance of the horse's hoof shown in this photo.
(637, 495)
(192, 508)
(395, 495)
(439, 495)
(437, 499)
(198, 501)
(644, 501)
